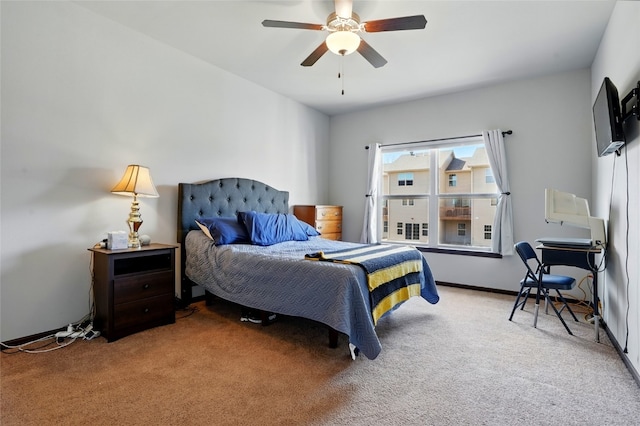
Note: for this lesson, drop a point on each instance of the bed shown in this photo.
(277, 278)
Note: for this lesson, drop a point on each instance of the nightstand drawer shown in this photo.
(143, 311)
(136, 287)
(328, 213)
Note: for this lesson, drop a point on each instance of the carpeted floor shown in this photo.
(460, 362)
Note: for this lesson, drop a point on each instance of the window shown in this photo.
(488, 176)
(450, 186)
(487, 232)
(405, 179)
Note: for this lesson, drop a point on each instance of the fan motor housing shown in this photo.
(337, 23)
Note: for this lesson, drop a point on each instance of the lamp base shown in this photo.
(134, 240)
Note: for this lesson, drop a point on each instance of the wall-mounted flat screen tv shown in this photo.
(607, 119)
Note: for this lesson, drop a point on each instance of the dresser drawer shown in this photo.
(143, 311)
(135, 287)
(328, 213)
(336, 236)
(328, 226)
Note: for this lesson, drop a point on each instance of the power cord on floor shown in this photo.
(82, 330)
(24, 348)
(181, 307)
(581, 305)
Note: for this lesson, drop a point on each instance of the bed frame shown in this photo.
(221, 198)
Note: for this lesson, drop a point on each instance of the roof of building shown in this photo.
(456, 164)
(448, 161)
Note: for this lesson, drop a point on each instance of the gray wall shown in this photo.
(550, 147)
(82, 97)
(618, 59)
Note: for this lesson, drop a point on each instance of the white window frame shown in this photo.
(434, 196)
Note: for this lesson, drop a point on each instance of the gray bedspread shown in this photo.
(278, 279)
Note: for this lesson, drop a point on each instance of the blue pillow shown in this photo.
(266, 229)
(224, 230)
(308, 229)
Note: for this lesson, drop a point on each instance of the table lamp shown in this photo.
(135, 183)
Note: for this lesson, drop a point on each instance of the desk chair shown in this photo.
(542, 282)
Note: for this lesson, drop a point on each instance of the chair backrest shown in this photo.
(525, 251)
(529, 258)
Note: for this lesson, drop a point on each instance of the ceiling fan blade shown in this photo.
(315, 55)
(417, 22)
(344, 8)
(371, 55)
(288, 24)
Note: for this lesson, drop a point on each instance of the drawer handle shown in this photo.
(145, 311)
(319, 227)
(339, 226)
(146, 286)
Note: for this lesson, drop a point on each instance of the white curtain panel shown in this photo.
(502, 237)
(370, 225)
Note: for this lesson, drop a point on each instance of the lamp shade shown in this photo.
(343, 42)
(136, 182)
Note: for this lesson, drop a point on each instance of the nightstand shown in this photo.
(326, 219)
(133, 289)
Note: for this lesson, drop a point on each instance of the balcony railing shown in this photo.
(455, 213)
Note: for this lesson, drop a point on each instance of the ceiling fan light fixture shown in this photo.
(343, 42)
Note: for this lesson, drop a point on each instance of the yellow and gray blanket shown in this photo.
(393, 272)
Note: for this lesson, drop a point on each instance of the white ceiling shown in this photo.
(466, 44)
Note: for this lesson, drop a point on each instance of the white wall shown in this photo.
(618, 59)
(550, 147)
(82, 97)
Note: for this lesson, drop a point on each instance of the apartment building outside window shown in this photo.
(451, 189)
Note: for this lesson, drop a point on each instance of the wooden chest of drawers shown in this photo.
(326, 219)
(133, 289)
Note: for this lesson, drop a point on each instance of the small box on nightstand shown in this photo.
(117, 240)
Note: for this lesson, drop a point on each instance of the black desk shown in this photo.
(583, 258)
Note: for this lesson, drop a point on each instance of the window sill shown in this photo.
(460, 252)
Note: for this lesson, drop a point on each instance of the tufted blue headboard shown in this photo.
(224, 198)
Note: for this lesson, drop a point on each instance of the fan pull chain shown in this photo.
(341, 74)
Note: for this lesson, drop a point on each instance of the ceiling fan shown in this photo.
(343, 26)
